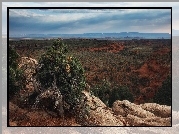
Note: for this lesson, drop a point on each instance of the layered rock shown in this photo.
(148, 114)
(123, 113)
(95, 113)
(162, 111)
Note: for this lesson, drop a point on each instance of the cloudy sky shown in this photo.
(71, 21)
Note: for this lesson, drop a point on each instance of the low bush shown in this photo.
(16, 77)
(120, 93)
(102, 91)
(164, 94)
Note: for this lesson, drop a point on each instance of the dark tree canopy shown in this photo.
(120, 93)
(164, 94)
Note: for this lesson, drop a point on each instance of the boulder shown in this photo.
(125, 107)
(162, 111)
(149, 114)
(94, 112)
(28, 65)
(149, 121)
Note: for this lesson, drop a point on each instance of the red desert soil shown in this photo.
(162, 51)
(114, 47)
(155, 73)
(26, 117)
(151, 70)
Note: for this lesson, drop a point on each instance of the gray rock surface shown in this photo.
(123, 113)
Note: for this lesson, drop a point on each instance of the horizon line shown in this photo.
(88, 33)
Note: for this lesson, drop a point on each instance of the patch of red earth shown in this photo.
(139, 100)
(150, 69)
(156, 74)
(26, 117)
(113, 48)
(153, 71)
(162, 51)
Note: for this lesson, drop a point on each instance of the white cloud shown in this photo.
(174, 5)
(67, 17)
(23, 13)
(57, 16)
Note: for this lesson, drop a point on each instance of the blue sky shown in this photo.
(35, 21)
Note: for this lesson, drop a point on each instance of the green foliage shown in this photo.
(102, 91)
(16, 77)
(163, 96)
(67, 70)
(120, 93)
(108, 96)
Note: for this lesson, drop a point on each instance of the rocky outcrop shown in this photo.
(148, 114)
(162, 111)
(95, 113)
(28, 65)
(124, 108)
(123, 113)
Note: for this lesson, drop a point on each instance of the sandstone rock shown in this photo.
(125, 107)
(149, 114)
(163, 111)
(95, 113)
(123, 113)
(28, 65)
(149, 121)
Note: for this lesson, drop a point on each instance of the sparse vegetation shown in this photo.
(164, 94)
(120, 93)
(16, 78)
(103, 91)
(115, 70)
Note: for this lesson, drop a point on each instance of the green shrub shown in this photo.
(120, 93)
(16, 77)
(164, 94)
(102, 91)
(68, 71)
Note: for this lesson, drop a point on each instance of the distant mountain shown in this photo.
(122, 35)
(175, 32)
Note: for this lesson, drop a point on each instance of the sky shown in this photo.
(77, 21)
